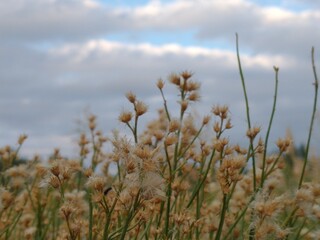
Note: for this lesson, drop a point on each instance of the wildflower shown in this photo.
(131, 97)
(175, 79)
(220, 111)
(283, 144)
(193, 86)
(186, 75)
(97, 183)
(140, 108)
(184, 105)
(92, 122)
(160, 84)
(6, 199)
(174, 125)
(205, 120)
(171, 139)
(17, 171)
(194, 96)
(67, 209)
(229, 172)
(22, 138)
(253, 132)
(125, 117)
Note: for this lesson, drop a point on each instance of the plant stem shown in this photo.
(316, 84)
(222, 216)
(247, 111)
(269, 127)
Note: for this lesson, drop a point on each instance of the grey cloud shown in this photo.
(44, 94)
(48, 98)
(44, 20)
(53, 22)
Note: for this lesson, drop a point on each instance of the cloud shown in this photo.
(56, 20)
(53, 88)
(290, 32)
(57, 62)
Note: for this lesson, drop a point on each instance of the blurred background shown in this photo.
(61, 60)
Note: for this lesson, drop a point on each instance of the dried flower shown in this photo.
(131, 97)
(125, 117)
(140, 108)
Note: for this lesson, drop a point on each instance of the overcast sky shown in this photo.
(60, 59)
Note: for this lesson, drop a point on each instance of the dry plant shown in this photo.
(171, 180)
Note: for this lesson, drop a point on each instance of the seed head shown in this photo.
(125, 117)
(186, 75)
(253, 132)
(171, 139)
(194, 96)
(193, 86)
(206, 120)
(140, 108)
(160, 84)
(283, 144)
(55, 170)
(228, 124)
(174, 125)
(92, 122)
(184, 105)
(220, 111)
(175, 79)
(131, 97)
(22, 138)
(54, 181)
(67, 210)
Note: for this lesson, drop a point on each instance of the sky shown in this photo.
(61, 60)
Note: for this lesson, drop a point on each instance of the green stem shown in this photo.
(269, 127)
(132, 212)
(200, 183)
(135, 133)
(222, 216)
(316, 84)
(90, 215)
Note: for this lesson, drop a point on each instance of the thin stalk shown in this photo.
(222, 216)
(135, 133)
(249, 127)
(108, 217)
(190, 144)
(94, 150)
(9, 230)
(145, 233)
(167, 220)
(169, 192)
(117, 233)
(200, 183)
(198, 216)
(269, 127)
(300, 228)
(247, 110)
(316, 84)
(132, 213)
(272, 167)
(90, 215)
(165, 105)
